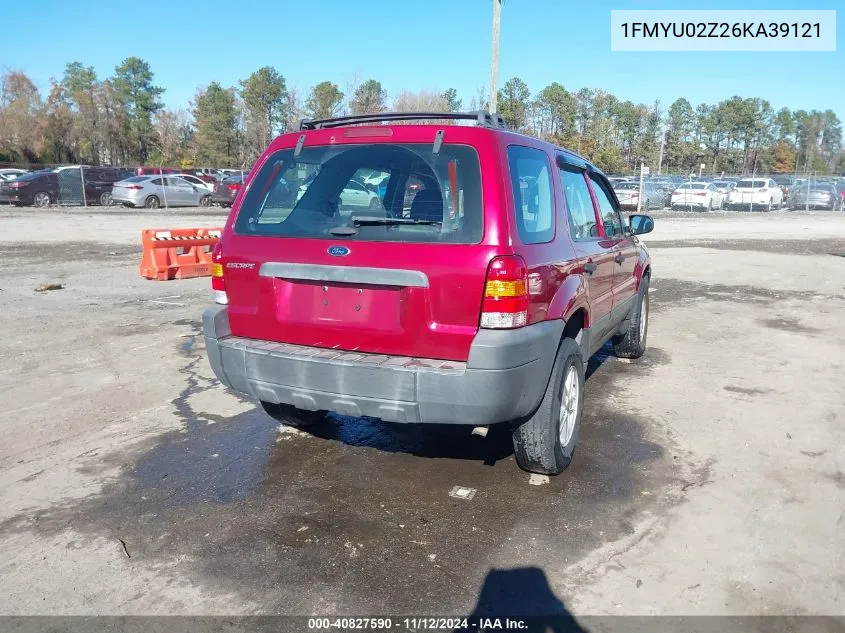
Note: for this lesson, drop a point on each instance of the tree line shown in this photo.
(122, 120)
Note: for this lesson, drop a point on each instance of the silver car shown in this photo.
(156, 191)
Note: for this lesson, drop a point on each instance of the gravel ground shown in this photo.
(709, 478)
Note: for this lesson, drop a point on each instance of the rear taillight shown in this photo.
(17, 185)
(505, 302)
(136, 187)
(701, 193)
(218, 284)
(233, 187)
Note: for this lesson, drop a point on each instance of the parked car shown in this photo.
(156, 191)
(702, 196)
(724, 187)
(205, 174)
(785, 183)
(357, 195)
(466, 308)
(198, 181)
(224, 192)
(149, 171)
(99, 182)
(816, 196)
(628, 194)
(10, 173)
(762, 194)
(39, 188)
(840, 189)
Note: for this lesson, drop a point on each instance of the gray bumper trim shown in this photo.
(504, 378)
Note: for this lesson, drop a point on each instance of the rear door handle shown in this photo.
(620, 259)
(590, 268)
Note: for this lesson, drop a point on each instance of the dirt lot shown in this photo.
(710, 478)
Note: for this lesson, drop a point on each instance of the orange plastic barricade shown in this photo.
(177, 253)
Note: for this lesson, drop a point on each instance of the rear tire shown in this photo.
(105, 199)
(42, 199)
(290, 415)
(152, 202)
(545, 442)
(632, 343)
(205, 201)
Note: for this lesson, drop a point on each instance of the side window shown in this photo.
(610, 216)
(157, 182)
(579, 205)
(533, 195)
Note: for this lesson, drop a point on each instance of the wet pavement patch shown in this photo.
(66, 252)
(359, 509)
(788, 325)
(669, 292)
(748, 391)
(783, 247)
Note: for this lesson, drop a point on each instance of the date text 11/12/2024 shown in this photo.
(417, 624)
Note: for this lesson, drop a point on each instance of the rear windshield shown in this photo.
(626, 185)
(137, 179)
(694, 185)
(381, 192)
(752, 184)
(237, 179)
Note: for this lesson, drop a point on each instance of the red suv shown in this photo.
(476, 300)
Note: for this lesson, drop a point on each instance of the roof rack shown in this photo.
(482, 117)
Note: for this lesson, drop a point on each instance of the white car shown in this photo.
(199, 182)
(762, 194)
(9, 173)
(703, 196)
(354, 195)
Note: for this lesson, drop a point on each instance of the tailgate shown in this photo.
(316, 256)
(294, 291)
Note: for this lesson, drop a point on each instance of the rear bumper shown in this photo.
(746, 206)
(122, 198)
(504, 378)
(217, 198)
(687, 205)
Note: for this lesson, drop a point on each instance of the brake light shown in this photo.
(17, 185)
(218, 284)
(132, 186)
(505, 302)
(701, 193)
(233, 187)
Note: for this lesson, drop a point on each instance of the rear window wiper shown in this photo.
(393, 221)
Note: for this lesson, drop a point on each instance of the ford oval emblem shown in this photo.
(338, 251)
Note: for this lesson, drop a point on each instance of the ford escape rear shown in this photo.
(458, 289)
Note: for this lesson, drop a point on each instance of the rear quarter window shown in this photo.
(533, 194)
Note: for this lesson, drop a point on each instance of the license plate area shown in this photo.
(361, 306)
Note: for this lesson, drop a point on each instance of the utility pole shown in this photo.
(494, 60)
(662, 143)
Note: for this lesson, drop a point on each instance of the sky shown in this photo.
(427, 44)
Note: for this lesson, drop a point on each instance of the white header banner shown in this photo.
(722, 30)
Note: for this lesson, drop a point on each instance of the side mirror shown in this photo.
(641, 224)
